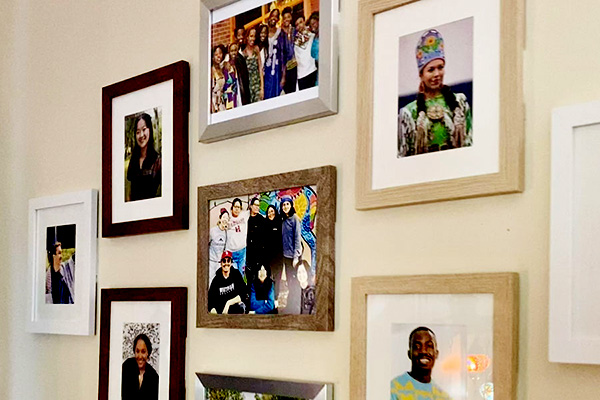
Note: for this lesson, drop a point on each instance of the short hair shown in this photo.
(236, 200)
(419, 329)
(253, 200)
(273, 10)
(297, 17)
(52, 251)
(286, 10)
(314, 15)
(146, 340)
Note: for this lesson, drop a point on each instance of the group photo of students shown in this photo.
(262, 253)
(264, 53)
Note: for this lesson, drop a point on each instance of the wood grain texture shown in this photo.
(178, 298)
(510, 175)
(179, 72)
(503, 286)
(325, 180)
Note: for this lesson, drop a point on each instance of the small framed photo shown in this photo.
(442, 336)
(574, 223)
(142, 343)
(265, 64)
(266, 252)
(221, 387)
(145, 168)
(63, 243)
(440, 101)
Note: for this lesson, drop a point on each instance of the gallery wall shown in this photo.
(56, 56)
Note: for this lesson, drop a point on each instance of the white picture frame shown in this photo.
(574, 222)
(79, 211)
(301, 105)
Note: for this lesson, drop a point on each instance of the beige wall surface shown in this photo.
(57, 55)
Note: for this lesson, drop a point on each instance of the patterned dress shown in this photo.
(254, 77)
(437, 129)
(231, 93)
(217, 83)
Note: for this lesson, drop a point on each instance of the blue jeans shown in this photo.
(239, 260)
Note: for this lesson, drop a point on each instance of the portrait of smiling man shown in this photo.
(417, 384)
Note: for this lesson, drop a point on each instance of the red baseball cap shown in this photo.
(226, 254)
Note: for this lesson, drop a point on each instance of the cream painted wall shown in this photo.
(55, 58)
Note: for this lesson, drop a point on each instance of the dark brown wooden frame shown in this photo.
(325, 179)
(179, 72)
(178, 298)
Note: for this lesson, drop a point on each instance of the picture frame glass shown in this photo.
(144, 192)
(468, 41)
(462, 326)
(260, 236)
(234, 23)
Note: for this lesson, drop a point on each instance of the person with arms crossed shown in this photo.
(417, 384)
(227, 293)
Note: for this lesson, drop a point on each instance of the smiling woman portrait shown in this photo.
(144, 172)
(139, 379)
(438, 119)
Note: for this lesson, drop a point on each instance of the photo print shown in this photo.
(232, 394)
(141, 356)
(60, 264)
(435, 89)
(263, 252)
(264, 53)
(143, 148)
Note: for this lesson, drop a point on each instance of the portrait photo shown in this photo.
(145, 168)
(60, 266)
(63, 245)
(440, 337)
(141, 357)
(263, 249)
(435, 89)
(440, 103)
(142, 343)
(222, 387)
(143, 144)
(263, 53)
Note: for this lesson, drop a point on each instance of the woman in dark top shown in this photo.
(139, 380)
(144, 171)
(292, 252)
(273, 246)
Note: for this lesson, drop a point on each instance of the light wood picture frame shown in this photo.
(302, 301)
(492, 161)
(63, 263)
(462, 309)
(303, 104)
(574, 222)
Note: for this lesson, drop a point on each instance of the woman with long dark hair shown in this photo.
(438, 119)
(292, 253)
(144, 170)
(273, 245)
(217, 80)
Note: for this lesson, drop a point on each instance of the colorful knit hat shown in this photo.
(429, 48)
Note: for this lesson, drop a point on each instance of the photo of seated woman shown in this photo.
(263, 53)
(435, 93)
(143, 142)
(276, 232)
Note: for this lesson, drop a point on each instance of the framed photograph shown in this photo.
(266, 252)
(142, 343)
(265, 64)
(440, 102)
(574, 223)
(62, 296)
(442, 336)
(145, 167)
(221, 387)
